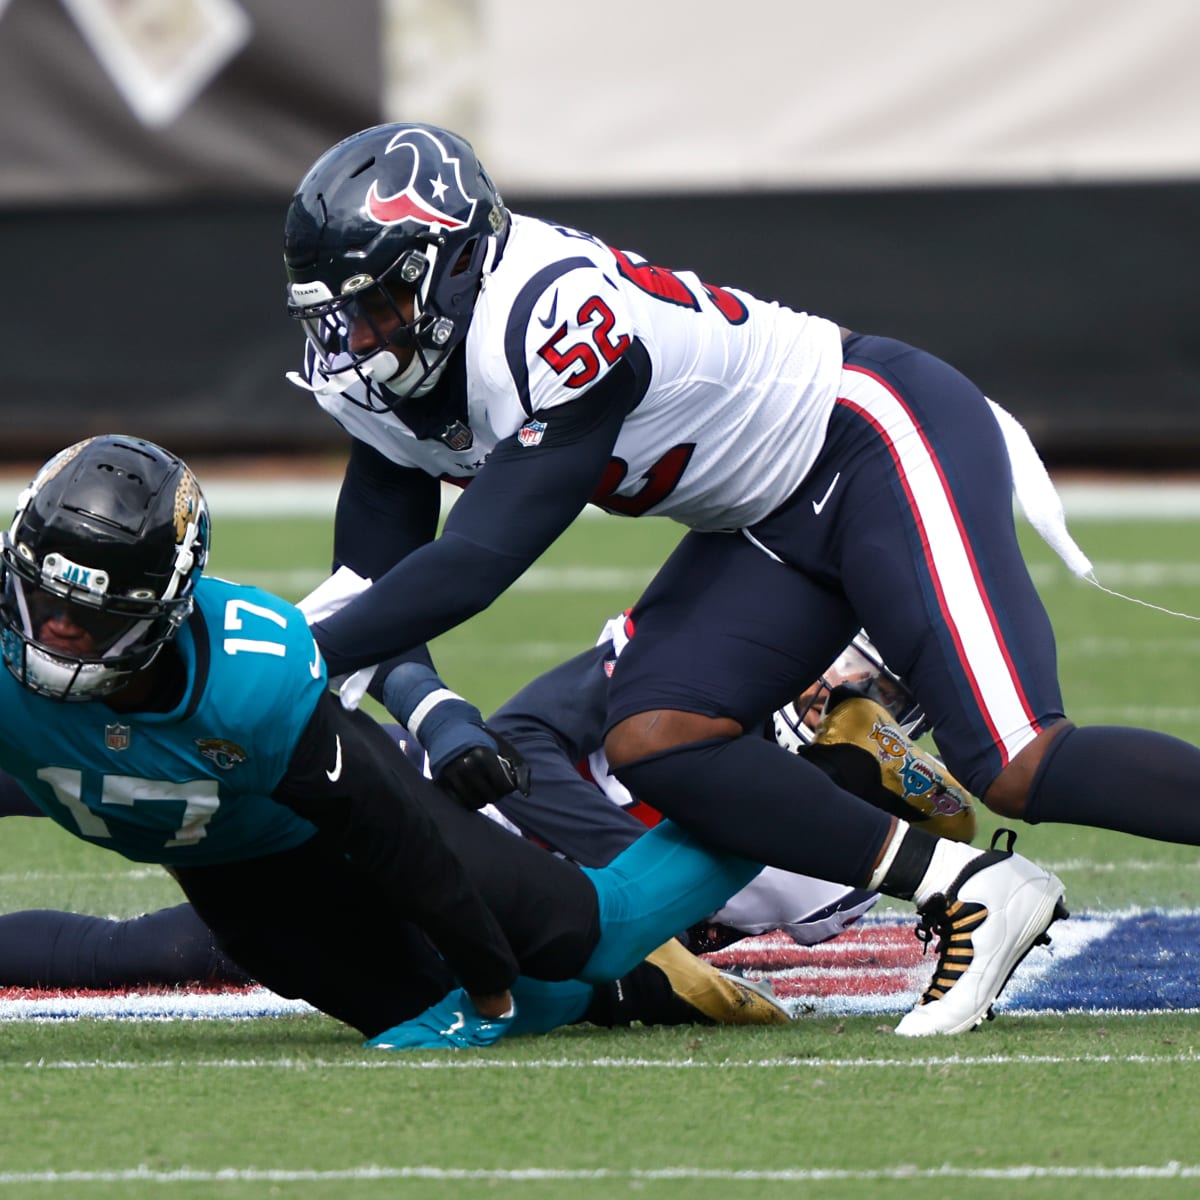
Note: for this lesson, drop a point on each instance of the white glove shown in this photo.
(323, 601)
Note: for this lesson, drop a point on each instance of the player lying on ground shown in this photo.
(203, 737)
(865, 742)
(184, 720)
(555, 722)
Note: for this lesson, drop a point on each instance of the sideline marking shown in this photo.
(1111, 499)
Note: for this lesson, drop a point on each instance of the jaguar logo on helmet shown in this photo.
(187, 503)
(428, 193)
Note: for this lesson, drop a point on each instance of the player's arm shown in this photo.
(515, 508)
(554, 722)
(349, 779)
(384, 513)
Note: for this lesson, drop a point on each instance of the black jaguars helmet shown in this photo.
(112, 534)
(395, 207)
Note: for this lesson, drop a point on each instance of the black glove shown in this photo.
(469, 761)
(481, 775)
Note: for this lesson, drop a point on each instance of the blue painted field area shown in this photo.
(1127, 962)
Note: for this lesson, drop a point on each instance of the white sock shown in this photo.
(948, 860)
(888, 857)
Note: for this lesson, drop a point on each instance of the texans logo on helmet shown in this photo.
(427, 194)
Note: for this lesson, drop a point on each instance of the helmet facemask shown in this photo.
(859, 670)
(381, 308)
(120, 622)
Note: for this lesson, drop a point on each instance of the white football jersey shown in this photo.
(740, 395)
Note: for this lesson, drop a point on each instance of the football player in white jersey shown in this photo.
(829, 480)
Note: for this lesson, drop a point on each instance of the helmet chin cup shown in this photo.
(63, 679)
(382, 367)
(408, 383)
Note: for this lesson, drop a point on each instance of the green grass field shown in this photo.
(1062, 1106)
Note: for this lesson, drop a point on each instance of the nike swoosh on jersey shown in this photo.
(548, 323)
(314, 667)
(819, 505)
(336, 773)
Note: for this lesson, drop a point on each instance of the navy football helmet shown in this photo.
(392, 217)
(112, 536)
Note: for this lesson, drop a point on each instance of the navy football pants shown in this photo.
(905, 526)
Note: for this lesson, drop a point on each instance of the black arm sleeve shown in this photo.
(384, 513)
(515, 508)
(350, 780)
(556, 721)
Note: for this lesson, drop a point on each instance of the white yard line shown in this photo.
(403, 1062)
(371, 1173)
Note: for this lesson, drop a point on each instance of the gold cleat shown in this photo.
(725, 999)
(924, 792)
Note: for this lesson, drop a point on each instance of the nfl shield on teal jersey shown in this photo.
(191, 786)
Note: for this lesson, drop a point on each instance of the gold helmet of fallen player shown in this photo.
(860, 667)
(859, 702)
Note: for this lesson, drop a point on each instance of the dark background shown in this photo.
(142, 290)
(1074, 307)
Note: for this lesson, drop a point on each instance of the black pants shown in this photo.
(306, 925)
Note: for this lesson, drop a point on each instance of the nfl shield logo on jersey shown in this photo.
(457, 436)
(531, 432)
(116, 737)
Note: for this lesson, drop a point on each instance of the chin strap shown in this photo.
(1043, 508)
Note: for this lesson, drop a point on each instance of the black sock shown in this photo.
(644, 994)
(1113, 777)
(748, 796)
(908, 868)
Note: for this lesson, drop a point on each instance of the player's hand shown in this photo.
(454, 1023)
(485, 774)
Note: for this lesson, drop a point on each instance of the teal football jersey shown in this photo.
(191, 786)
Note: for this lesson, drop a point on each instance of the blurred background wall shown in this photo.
(1015, 187)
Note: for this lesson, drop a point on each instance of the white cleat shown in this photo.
(994, 913)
